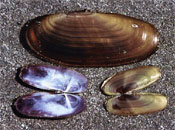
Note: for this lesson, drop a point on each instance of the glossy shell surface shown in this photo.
(91, 39)
(131, 80)
(136, 104)
(46, 105)
(62, 82)
(54, 78)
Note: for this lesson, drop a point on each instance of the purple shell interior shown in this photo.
(54, 78)
(46, 105)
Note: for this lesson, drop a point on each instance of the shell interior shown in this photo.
(131, 80)
(136, 104)
(46, 105)
(54, 78)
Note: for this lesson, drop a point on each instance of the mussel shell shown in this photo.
(91, 39)
(131, 80)
(136, 104)
(54, 78)
(47, 105)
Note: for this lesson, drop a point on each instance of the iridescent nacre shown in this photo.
(47, 105)
(54, 78)
(58, 104)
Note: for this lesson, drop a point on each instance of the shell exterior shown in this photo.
(131, 80)
(136, 104)
(46, 105)
(91, 39)
(54, 78)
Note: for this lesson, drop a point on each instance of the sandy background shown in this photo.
(15, 13)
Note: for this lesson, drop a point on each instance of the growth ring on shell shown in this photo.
(91, 39)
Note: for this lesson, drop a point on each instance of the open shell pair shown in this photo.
(127, 82)
(61, 101)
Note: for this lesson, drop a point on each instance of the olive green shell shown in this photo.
(131, 80)
(144, 103)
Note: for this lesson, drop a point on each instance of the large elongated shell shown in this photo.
(130, 80)
(91, 39)
(136, 104)
(46, 105)
(54, 78)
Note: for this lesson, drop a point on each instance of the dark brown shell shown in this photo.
(91, 39)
